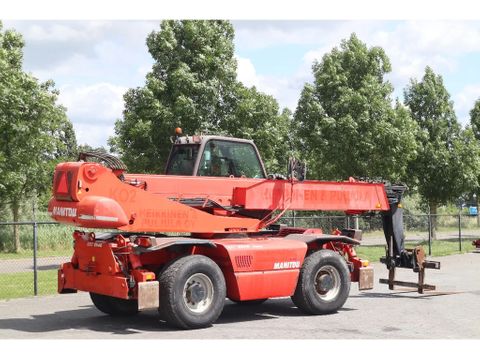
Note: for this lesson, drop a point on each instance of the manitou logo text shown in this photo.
(64, 211)
(286, 265)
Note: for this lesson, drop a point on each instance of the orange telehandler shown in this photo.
(207, 230)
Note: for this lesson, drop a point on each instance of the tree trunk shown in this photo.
(433, 219)
(16, 229)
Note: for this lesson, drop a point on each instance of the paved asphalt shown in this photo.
(450, 312)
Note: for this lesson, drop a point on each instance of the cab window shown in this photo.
(182, 160)
(228, 158)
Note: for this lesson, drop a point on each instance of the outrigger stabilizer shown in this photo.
(397, 256)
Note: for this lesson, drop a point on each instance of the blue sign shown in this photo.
(473, 210)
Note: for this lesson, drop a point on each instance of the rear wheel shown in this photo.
(192, 292)
(324, 283)
(114, 306)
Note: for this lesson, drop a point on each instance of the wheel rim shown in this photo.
(198, 293)
(327, 283)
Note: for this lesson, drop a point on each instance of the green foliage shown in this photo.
(257, 117)
(447, 164)
(51, 238)
(193, 85)
(345, 121)
(413, 204)
(89, 148)
(475, 119)
(475, 127)
(35, 131)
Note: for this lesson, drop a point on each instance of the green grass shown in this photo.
(373, 253)
(21, 284)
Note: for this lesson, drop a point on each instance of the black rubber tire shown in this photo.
(306, 296)
(173, 305)
(114, 306)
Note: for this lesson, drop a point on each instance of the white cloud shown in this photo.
(449, 38)
(76, 64)
(101, 102)
(93, 134)
(262, 34)
(465, 101)
(62, 32)
(92, 50)
(286, 90)
(94, 62)
(246, 72)
(410, 46)
(93, 110)
(86, 32)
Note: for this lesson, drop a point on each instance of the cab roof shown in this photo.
(199, 139)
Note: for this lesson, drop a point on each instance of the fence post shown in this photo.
(35, 246)
(356, 222)
(429, 217)
(460, 231)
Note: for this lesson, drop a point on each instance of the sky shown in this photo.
(93, 62)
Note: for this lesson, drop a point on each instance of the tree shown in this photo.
(256, 116)
(35, 131)
(447, 164)
(475, 126)
(192, 85)
(345, 120)
(89, 148)
(475, 119)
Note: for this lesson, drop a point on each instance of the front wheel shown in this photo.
(323, 284)
(192, 292)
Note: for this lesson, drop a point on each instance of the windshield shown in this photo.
(182, 159)
(228, 158)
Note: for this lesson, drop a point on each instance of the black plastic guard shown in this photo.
(393, 228)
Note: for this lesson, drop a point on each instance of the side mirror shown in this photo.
(296, 169)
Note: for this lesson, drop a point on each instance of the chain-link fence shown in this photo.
(45, 245)
(448, 231)
(32, 269)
